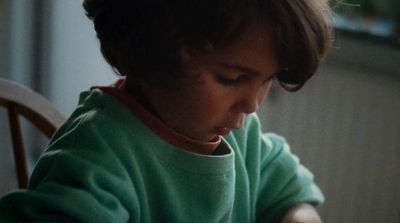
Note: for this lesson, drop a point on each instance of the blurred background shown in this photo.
(344, 124)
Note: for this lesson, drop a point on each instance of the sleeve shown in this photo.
(73, 182)
(282, 180)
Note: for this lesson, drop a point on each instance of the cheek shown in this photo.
(264, 92)
(208, 102)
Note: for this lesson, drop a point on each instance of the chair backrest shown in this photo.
(20, 100)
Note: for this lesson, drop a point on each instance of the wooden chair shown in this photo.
(22, 101)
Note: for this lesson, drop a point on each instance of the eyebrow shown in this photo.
(244, 69)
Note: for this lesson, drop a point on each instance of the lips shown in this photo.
(222, 130)
(226, 130)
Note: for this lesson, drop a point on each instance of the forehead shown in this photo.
(254, 49)
(257, 40)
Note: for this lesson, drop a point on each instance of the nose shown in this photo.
(251, 100)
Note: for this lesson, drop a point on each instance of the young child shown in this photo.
(177, 139)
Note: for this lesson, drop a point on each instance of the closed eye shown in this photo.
(232, 81)
(239, 79)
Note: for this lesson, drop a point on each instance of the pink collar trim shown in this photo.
(156, 125)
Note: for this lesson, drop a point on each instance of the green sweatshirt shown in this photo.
(106, 165)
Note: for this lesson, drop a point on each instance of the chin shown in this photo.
(203, 138)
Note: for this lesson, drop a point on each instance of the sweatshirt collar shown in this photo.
(142, 112)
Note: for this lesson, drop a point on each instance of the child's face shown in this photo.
(220, 88)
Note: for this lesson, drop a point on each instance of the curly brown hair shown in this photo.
(142, 39)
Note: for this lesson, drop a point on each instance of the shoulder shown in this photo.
(97, 115)
(89, 140)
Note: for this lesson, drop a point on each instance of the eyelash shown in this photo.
(236, 81)
(228, 81)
